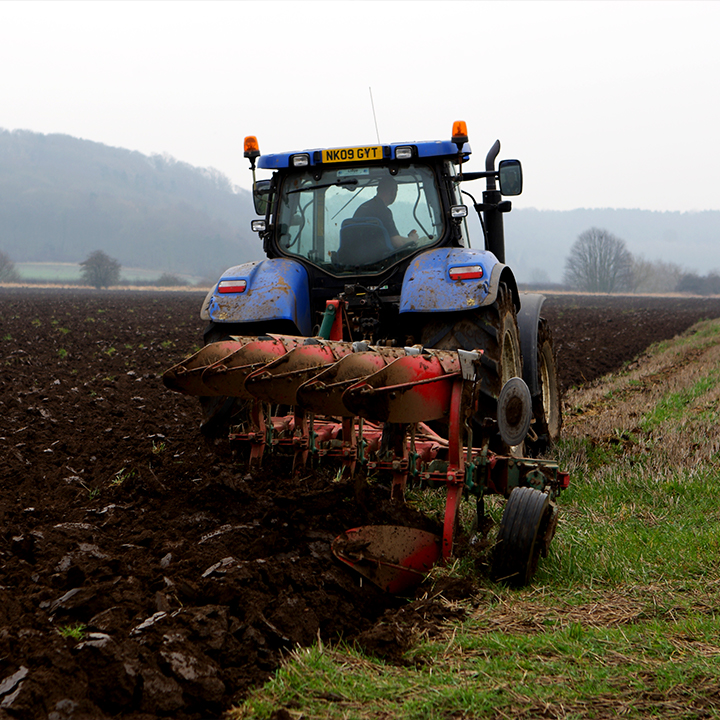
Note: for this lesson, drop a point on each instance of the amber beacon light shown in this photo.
(252, 149)
(459, 133)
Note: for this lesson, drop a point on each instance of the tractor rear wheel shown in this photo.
(494, 330)
(521, 537)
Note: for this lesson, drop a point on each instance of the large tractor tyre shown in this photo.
(494, 330)
(547, 413)
(521, 538)
(219, 413)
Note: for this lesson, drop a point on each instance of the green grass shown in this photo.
(658, 667)
(70, 273)
(623, 617)
(121, 476)
(674, 406)
(625, 525)
(76, 631)
(49, 272)
(158, 448)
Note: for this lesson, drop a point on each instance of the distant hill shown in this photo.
(61, 198)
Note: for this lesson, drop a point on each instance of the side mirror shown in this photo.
(510, 177)
(261, 195)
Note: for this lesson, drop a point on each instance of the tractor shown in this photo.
(376, 336)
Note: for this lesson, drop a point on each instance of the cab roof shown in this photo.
(364, 154)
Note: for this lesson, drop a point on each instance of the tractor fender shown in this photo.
(275, 289)
(428, 287)
(528, 322)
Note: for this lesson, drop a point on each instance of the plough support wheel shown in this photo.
(521, 537)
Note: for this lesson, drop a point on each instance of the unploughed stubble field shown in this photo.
(144, 575)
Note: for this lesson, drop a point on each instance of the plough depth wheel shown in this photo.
(521, 536)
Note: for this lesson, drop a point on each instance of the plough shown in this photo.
(376, 407)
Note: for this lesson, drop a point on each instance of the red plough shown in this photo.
(377, 407)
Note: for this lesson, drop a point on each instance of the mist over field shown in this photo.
(538, 241)
(61, 198)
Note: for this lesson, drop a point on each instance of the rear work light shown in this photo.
(232, 286)
(302, 160)
(404, 152)
(466, 272)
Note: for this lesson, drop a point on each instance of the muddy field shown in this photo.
(189, 578)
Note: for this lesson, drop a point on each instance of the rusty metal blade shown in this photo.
(279, 381)
(394, 557)
(323, 393)
(186, 376)
(227, 376)
(411, 389)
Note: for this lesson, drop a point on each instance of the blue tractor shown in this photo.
(375, 334)
(418, 281)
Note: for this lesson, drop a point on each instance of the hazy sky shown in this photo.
(607, 104)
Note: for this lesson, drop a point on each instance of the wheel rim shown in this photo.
(510, 367)
(549, 393)
(510, 360)
(545, 386)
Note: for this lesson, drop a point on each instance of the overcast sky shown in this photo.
(607, 104)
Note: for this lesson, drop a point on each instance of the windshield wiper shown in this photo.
(346, 181)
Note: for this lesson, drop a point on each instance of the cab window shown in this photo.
(359, 219)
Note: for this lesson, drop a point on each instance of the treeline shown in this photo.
(600, 262)
(700, 285)
(538, 241)
(62, 198)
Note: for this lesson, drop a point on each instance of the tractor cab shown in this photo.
(381, 228)
(354, 212)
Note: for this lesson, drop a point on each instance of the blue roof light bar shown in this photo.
(424, 149)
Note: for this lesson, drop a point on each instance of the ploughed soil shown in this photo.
(143, 574)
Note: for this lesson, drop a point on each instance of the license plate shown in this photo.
(354, 154)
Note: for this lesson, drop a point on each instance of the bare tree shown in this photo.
(599, 262)
(8, 273)
(100, 270)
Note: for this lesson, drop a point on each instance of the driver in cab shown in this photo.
(379, 207)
